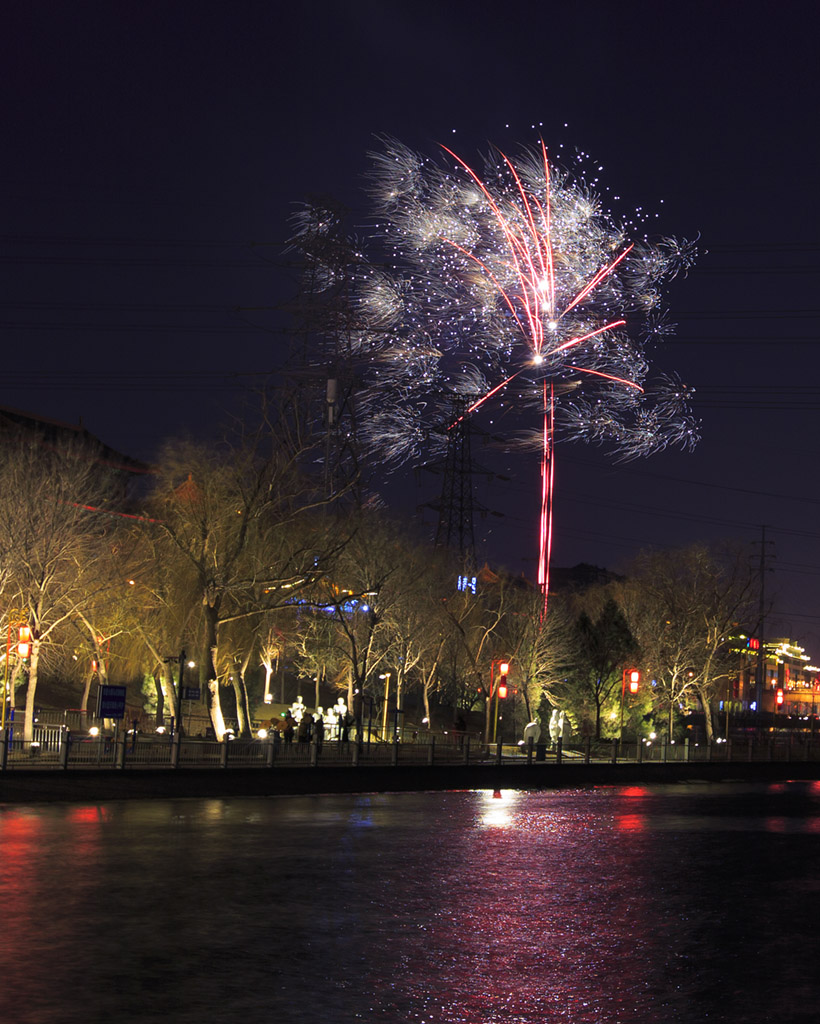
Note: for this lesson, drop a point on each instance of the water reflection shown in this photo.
(604, 905)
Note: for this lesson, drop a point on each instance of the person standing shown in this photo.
(303, 733)
(290, 728)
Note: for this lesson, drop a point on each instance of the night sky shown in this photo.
(154, 151)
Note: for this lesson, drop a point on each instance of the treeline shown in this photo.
(240, 555)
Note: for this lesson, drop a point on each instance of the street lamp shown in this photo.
(17, 620)
(178, 710)
(359, 697)
(500, 689)
(386, 677)
(633, 677)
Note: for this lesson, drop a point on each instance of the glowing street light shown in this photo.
(500, 689)
(17, 619)
(632, 676)
(386, 677)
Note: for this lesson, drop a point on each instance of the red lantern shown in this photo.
(24, 642)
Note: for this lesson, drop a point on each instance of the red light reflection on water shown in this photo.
(86, 814)
(84, 822)
(640, 791)
(27, 841)
(783, 826)
(630, 822)
(20, 843)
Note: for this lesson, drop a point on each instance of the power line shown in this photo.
(691, 482)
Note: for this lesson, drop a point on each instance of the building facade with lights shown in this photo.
(790, 681)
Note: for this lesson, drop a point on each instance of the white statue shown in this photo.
(532, 731)
(564, 726)
(297, 709)
(554, 727)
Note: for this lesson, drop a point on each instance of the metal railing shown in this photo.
(63, 750)
(59, 750)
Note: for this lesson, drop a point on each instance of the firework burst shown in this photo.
(513, 284)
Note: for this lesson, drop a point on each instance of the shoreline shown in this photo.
(92, 785)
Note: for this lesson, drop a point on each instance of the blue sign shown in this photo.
(191, 693)
(467, 584)
(111, 702)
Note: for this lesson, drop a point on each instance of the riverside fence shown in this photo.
(56, 750)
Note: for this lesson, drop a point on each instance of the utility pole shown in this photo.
(322, 362)
(760, 669)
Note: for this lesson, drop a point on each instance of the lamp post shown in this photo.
(179, 693)
(17, 620)
(359, 697)
(500, 689)
(634, 682)
(180, 660)
(386, 677)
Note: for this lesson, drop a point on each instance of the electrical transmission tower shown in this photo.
(323, 363)
(457, 505)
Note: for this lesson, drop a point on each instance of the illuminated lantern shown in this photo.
(634, 680)
(24, 642)
(502, 690)
(779, 697)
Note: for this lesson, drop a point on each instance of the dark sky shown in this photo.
(153, 152)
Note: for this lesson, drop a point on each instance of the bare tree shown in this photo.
(377, 613)
(683, 605)
(539, 646)
(242, 518)
(476, 640)
(358, 597)
(57, 532)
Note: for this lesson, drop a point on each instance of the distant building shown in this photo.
(16, 425)
(581, 577)
(790, 682)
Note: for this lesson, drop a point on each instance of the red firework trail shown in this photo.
(532, 303)
(547, 481)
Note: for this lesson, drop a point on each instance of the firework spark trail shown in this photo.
(513, 284)
(533, 260)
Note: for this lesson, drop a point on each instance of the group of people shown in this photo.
(308, 727)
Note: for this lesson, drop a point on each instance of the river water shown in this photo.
(676, 903)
